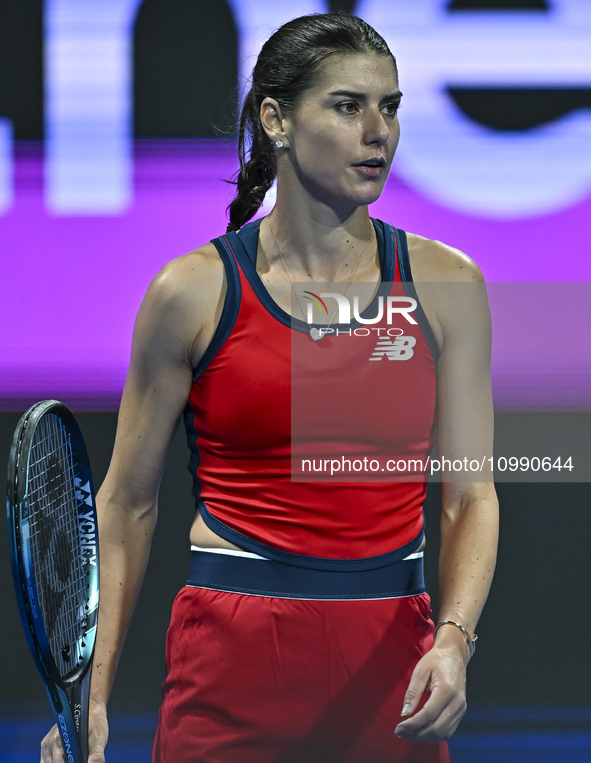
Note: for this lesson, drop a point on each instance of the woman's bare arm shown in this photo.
(469, 523)
(174, 325)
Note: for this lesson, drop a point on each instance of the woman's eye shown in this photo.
(391, 108)
(347, 108)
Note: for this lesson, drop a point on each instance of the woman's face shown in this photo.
(347, 118)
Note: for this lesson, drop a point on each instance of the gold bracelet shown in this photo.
(471, 639)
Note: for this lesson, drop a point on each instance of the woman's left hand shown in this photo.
(442, 674)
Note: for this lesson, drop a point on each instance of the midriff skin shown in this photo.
(203, 537)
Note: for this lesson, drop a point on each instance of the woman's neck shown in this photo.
(318, 243)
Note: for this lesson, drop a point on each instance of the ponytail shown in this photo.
(257, 173)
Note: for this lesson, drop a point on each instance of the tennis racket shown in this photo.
(54, 550)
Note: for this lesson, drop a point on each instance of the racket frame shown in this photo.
(69, 696)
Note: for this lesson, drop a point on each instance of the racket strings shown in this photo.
(58, 563)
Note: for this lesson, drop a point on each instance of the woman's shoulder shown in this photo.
(198, 272)
(183, 303)
(435, 261)
(194, 266)
(187, 291)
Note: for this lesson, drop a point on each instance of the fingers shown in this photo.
(442, 674)
(51, 748)
(439, 717)
(416, 689)
(419, 682)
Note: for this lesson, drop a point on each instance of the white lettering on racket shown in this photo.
(87, 536)
(77, 714)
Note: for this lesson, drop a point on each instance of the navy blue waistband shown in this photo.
(265, 577)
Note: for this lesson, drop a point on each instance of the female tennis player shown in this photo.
(304, 633)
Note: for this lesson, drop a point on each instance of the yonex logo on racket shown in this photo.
(86, 522)
(81, 490)
(87, 537)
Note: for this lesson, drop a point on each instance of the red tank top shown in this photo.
(268, 406)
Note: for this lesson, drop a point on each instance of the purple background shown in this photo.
(71, 286)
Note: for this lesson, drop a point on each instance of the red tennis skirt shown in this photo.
(264, 679)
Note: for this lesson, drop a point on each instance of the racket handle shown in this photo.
(79, 702)
(66, 727)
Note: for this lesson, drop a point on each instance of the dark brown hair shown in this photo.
(285, 68)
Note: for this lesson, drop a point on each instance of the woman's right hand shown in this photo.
(98, 733)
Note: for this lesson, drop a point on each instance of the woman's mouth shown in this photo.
(370, 170)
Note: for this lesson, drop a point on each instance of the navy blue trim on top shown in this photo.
(410, 291)
(195, 457)
(262, 577)
(226, 323)
(301, 560)
(244, 245)
(230, 309)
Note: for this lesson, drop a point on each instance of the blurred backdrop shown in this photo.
(117, 137)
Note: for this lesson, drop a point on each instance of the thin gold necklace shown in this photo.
(315, 333)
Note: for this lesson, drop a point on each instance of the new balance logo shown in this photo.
(399, 349)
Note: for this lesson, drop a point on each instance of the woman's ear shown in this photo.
(273, 120)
